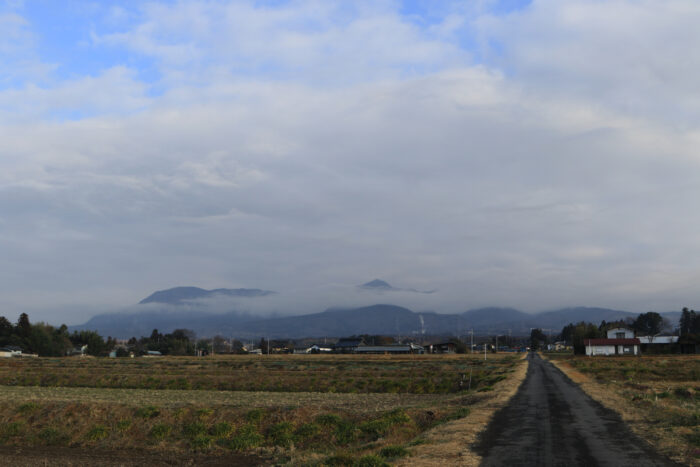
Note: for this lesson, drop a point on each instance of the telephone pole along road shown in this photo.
(551, 422)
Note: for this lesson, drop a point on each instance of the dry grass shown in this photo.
(415, 394)
(417, 374)
(657, 396)
(450, 443)
(361, 403)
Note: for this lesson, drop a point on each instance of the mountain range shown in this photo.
(177, 311)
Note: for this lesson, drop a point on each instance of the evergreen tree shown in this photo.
(649, 324)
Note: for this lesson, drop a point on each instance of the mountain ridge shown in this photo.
(337, 322)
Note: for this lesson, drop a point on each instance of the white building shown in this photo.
(10, 351)
(616, 346)
(658, 339)
(620, 333)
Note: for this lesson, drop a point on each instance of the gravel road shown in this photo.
(551, 422)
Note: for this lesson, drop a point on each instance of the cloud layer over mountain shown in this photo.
(528, 154)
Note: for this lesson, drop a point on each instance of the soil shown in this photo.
(78, 457)
(551, 422)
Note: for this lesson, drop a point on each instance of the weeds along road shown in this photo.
(551, 422)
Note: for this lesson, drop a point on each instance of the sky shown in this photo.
(532, 154)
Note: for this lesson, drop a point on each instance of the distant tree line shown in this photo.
(47, 341)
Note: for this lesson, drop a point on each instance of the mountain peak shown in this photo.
(177, 295)
(377, 284)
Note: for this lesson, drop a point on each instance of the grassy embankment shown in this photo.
(657, 395)
(322, 410)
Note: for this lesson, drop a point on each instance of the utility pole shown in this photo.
(471, 332)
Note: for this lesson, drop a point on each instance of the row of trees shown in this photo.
(45, 340)
(183, 342)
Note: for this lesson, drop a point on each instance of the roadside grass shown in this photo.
(657, 395)
(449, 441)
(347, 427)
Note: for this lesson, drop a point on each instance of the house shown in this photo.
(659, 344)
(80, 351)
(620, 341)
(658, 340)
(347, 345)
(390, 349)
(652, 344)
(620, 333)
(558, 346)
(313, 349)
(443, 347)
(10, 351)
(612, 346)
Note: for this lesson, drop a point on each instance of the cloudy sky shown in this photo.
(529, 154)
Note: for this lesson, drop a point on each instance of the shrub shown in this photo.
(160, 431)
(345, 432)
(28, 407)
(52, 437)
(247, 437)
(149, 411)
(391, 452)
(307, 430)
(682, 393)
(379, 427)
(97, 433)
(329, 419)
(459, 413)
(397, 417)
(192, 430)
(12, 429)
(375, 428)
(124, 424)
(221, 430)
(255, 415)
(200, 443)
(280, 434)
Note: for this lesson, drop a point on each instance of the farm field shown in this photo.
(295, 410)
(427, 374)
(657, 395)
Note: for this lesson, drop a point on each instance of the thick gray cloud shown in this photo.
(551, 174)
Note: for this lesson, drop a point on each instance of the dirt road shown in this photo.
(552, 422)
